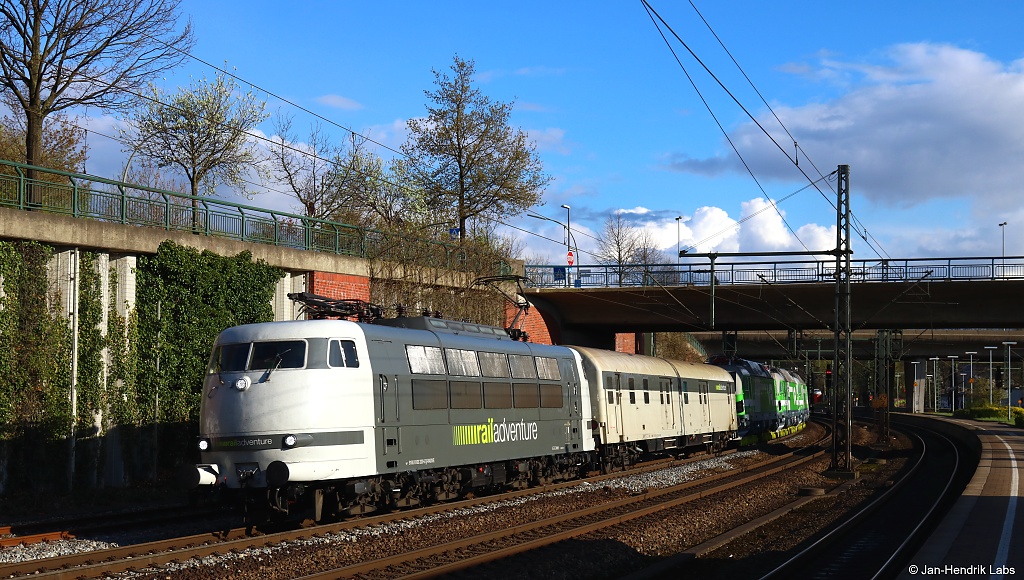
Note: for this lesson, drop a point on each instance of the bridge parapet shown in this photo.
(775, 272)
(105, 200)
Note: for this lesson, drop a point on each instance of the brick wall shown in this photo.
(625, 342)
(534, 324)
(340, 286)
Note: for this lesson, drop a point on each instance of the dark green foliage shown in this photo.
(185, 298)
(91, 399)
(34, 344)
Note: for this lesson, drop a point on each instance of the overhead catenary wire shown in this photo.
(654, 14)
(693, 83)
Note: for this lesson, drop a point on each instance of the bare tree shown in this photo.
(331, 182)
(203, 132)
(466, 154)
(616, 246)
(630, 251)
(58, 54)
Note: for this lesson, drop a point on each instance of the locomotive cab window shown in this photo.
(342, 353)
(284, 354)
(229, 358)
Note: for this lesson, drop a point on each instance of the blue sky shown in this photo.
(924, 100)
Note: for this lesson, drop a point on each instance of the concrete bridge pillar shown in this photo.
(284, 307)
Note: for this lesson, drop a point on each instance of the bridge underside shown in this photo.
(593, 316)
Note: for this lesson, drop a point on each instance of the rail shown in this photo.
(92, 197)
(774, 272)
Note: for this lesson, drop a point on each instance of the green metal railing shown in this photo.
(92, 197)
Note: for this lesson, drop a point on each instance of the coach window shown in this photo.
(686, 394)
(342, 353)
(462, 362)
(610, 389)
(647, 394)
(494, 364)
(425, 360)
(522, 366)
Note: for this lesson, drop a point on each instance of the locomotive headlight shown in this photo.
(293, 440)
(243, 383)
(204, 444)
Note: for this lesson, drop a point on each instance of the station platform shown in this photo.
(982, 536)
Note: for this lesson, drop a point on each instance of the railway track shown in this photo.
(157, 554)
(878, 540)
(488, 547)
(69, 528)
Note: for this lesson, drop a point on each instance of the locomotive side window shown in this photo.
(466, 395)
(526, 395)
(342, 353)
(551, 396)
(497, 395)
(462, 362)
(428, 394)
(425, 360)
(547, 368)
(522, 366)
(494, 364)
(284, 354)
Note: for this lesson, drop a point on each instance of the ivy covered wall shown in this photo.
(139, 371)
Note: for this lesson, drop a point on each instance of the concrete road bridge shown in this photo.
(945, 304)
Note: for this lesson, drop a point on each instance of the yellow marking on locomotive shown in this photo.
(473, 434)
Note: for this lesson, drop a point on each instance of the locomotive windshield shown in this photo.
(284, 354)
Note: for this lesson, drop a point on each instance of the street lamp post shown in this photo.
(568, 243)
(915, 363)
(1009, 381)
(970, 371)
(569, 238)
(990, 349)
(952, 381)
(1002, 228)
(935, 385)
(678, 240)
(928, 378)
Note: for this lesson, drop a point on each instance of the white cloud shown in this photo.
(339, 102)
(933, 121)
(550, 139)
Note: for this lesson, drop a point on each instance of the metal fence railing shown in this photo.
(97, 198)
(697, 273)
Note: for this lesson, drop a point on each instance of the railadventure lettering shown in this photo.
(491, 432)
(245, 442)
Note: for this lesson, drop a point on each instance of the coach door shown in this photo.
(665, 399)
(705, 406)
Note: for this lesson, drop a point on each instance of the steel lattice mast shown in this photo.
(842, 361)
